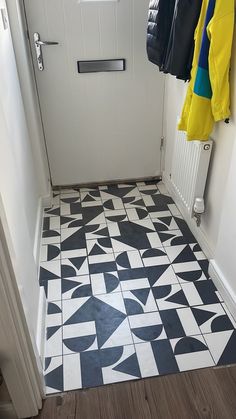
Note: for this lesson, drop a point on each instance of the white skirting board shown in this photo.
(197, 232)
(41, 329)
(223, 287)
(38, 232)
(44, 202)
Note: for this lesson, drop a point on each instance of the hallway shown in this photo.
(128, 290)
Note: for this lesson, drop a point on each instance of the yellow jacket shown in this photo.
(208, 95)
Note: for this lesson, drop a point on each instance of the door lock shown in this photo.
(38, 48)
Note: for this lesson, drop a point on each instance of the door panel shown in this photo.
(98, 126)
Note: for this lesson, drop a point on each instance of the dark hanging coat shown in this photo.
(170, 39)
(179, 54)
(160, 19)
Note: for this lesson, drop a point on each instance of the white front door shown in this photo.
(98, 126)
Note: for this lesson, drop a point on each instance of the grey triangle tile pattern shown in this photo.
(128, 290)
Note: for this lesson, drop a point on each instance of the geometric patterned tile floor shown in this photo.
(128, 290)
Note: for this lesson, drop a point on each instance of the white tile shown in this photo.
(53, 266)
(83, 269)
(105, 245)
(134, 260)
(195, 360)
(54, 319)
(81, 280)
(56, 200)
(153, 260)
(99, 285)
(115, 300)
(186, 266)
(95, 234)
(192, 294)
(69, 307)
(151, 187)
(146, 360)
(113, 229)
(121, 214)
(66, 210)
(146, 327)
(65, 191)
(217, 343)
(96, 203)
(85, 194)
(135, 284)
(100, 219)
(109, 257)
(110, 375)
(135, 203)
(70, 194)
(120, 247)
(148, 307)
(200, 255)
(117, 204)
(174, 234)
(154, 240)
(54, 290)
(157, 214)
(121, 336)
(47, 211)
(67, 232)
(146, 319)
(167, 278)
(163, 304)
(55, 363)
(72, 372)
(88, 189)
(54, 223)
(51, 237)
(53, 346)
(148, 201)
(174, 251)
(188, 321)
(79, 329)
(67, 254)
(146, 224)
(173, 225)
(133, 214)
(73, 219)
(174, 210)
(216, 309)
(46, 248)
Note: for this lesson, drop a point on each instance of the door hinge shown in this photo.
(162, 142)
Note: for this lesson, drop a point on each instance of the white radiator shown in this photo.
(189, 169)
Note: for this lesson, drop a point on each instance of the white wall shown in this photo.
(19, 184)
(219, 222)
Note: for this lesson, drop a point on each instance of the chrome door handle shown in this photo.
(42, 43)
(38, 48)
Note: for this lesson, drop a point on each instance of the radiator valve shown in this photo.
(198, 210)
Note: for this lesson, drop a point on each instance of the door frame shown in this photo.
(19, 363)
(21, 45)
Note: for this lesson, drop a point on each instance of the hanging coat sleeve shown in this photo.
(219, 62)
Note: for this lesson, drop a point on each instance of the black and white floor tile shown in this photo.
(128, 290)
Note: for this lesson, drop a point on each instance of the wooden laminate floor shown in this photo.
(207, 393)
